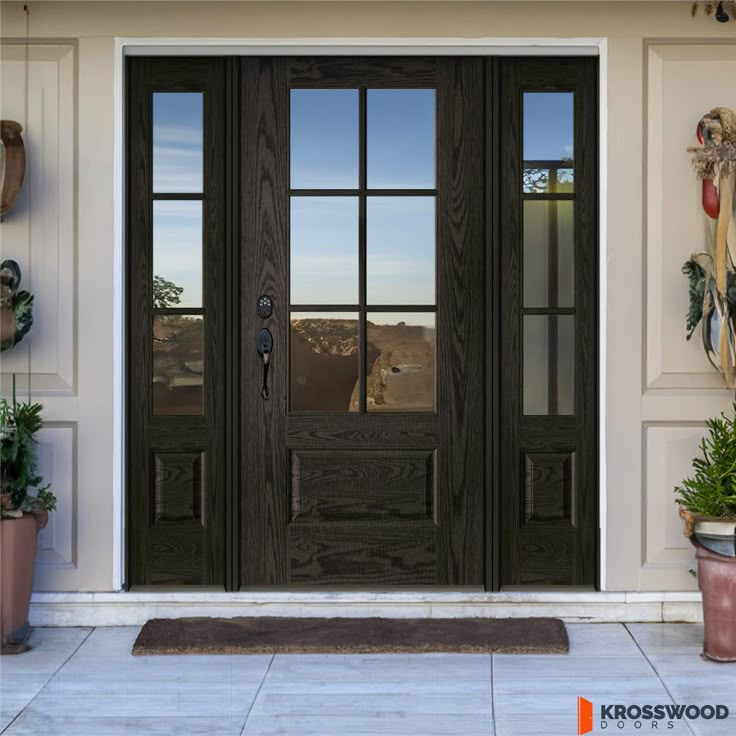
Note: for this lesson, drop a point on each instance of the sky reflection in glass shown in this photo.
(177, 247)
(324, 138)
(400, 250)
(548, 126)
(177, 141)
(324, 250)
(401, 138)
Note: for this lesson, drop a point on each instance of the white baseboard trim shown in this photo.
(134, 609)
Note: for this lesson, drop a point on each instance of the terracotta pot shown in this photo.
(12, 163)
(717, 581)
(17, 559)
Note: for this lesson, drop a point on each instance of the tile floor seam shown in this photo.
(493, 702)
(255, 697)
(654, 669)
(43, 687)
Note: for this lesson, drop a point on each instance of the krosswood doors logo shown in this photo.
(653, 716)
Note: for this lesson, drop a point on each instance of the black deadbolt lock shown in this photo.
(265, 306)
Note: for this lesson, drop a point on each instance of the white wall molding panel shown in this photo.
(57, 459)
(39, 91)
(683, 82)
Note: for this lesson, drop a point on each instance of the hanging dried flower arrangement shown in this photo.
(712, 273)
(723, 9)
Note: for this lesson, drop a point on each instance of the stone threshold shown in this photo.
(135, 608)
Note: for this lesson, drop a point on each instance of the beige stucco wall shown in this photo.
(662, 70)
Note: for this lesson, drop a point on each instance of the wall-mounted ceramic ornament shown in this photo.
(712, 273)
(16, 307)
(12, 163)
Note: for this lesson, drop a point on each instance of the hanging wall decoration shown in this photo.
(16, 307)
(724, 9)
(712, 273)
(12, 163)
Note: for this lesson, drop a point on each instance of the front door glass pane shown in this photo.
(400, 361)
(401, 138)
(324, 138)
(401, 250)
(324, 361)
(324, 250)
(177, 141)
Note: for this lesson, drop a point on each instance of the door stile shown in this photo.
(492, 442)
(460, 314)
(233, 478)
(264, 241)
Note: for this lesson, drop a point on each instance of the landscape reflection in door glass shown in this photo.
(400, 362)
(178, 364)
(324, 361)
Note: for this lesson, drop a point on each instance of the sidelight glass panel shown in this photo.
(550, 180)
(548, 253)
(548, 142)
(324, 370)
(401, 138)
(400, 250)
(177, 141)
(177, 253)
(324, 138)
(324, 250)
(178, 364)
(400, 361)
(549, 364)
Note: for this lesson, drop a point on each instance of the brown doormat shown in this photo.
(262, 635)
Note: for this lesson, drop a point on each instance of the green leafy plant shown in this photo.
(20, 487)
(712, 489)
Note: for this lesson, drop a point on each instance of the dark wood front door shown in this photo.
(316, 341)
(362, 219)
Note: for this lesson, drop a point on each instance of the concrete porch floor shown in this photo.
(81, 681)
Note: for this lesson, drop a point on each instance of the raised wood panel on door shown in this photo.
(176, 463)
(372, 499)
(548, 477)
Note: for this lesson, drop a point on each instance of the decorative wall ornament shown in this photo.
(16, 307)
(724, 9)
(12, 163)
(712, 273)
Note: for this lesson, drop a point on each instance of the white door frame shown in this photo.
(335, 47)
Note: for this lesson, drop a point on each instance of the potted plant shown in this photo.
(25, 504)
(708, 506)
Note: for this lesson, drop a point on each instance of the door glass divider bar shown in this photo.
(527, 196)
(548, 311)
(178, 310)
(363, 192)
(359, 308)
(178, 195)
(548, 164)
(362, 250)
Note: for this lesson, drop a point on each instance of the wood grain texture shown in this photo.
(553, 551)
(362, 553)
(264, 490)
(460, 366)
(365, 484)
(341, 72)
(154, 549)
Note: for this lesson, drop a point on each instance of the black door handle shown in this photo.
(264, 343)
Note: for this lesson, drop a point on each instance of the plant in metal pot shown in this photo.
(24, 504)
(707, 503)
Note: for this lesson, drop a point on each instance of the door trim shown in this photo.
(516, 46)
